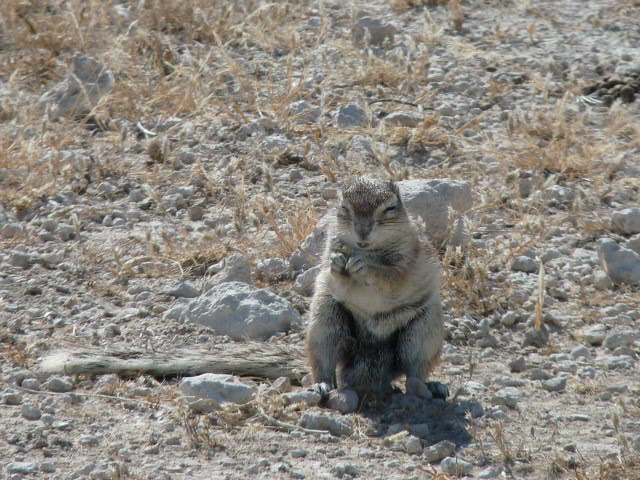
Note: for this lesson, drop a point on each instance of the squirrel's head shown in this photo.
(369, 212)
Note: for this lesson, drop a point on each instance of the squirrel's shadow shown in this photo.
(432, 420)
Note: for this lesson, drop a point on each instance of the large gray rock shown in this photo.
(218, 387)
(242, 311)
(626, 221)
(430, 201)
(81, 91)
(620, 264)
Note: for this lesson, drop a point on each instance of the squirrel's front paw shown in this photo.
(338, 263)
(356, 266)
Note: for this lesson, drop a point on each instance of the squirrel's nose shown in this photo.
(363, 244)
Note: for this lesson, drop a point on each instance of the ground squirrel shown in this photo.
(376, 313)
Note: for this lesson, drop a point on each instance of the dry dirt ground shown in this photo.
(201, 149)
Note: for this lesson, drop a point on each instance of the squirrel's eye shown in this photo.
(390, 210)
(343, 210)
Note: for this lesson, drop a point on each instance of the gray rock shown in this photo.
(341, 469)
(11, 398)
(371, 31)
(88, 440)
(615, 362)
(518, 365)
(633, 244)
(345, 401)
(81, 91)
(491, 472)
(305, 281)
(595, 334)
(455, 466)
(550, 254)
(620, 338)
(430, 201)
(440, 450)
(580, 352)
(508, 396)
(302, 112)
(242, 311)
(31, 411)
(298, 453)
(22, 467)
(413, 445)
(525, 264)
(218, 387)
(509, 318)
(182, 289)
(30, 384)
(557, 196)
(309, 397)
(334, 423)
(626, 221)
(409, 119)
(58, 384)
(234, 268)
(351, 116)
(20, 260)
(48, 467)
(620, 264)
(280, 385)
(536, 338)
(556, 384)
(10, 230)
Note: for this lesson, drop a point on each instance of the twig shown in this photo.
(394, 100)
(98, 395)
(289, 427)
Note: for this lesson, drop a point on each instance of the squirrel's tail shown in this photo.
(243, 359)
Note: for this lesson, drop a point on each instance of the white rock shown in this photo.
(430, 200)
(22, 467)
(335, 423)
(234, 268)
(309, 397)
(182, 289)
(626, 221)
(242, 311)
(620, 264)
(81, 91)
(218, 387)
